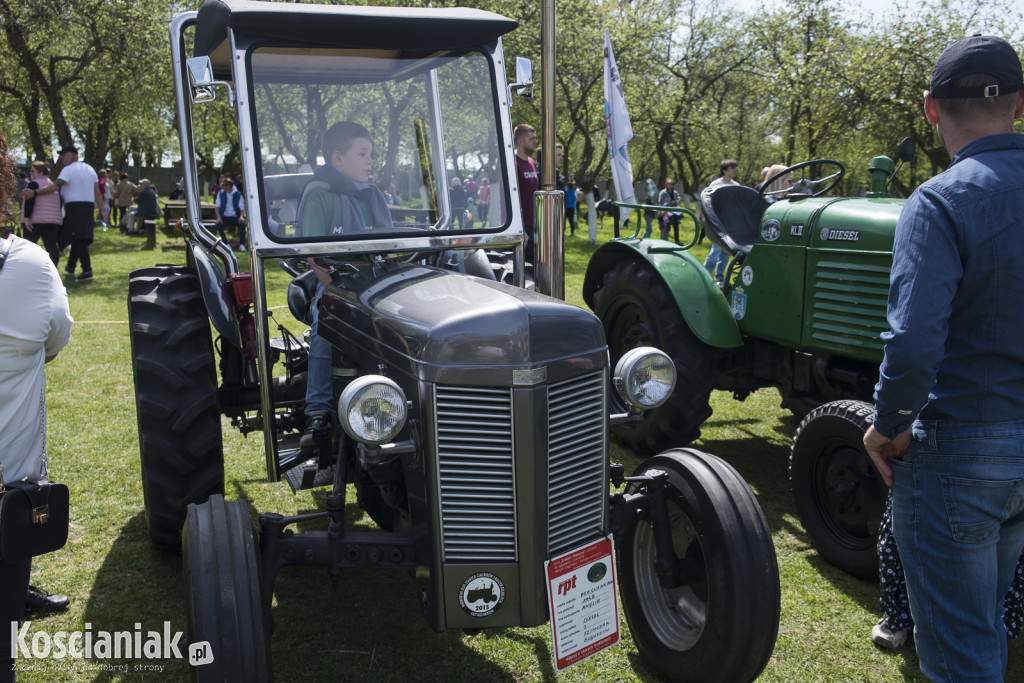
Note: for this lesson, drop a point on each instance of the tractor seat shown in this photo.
(732, 216)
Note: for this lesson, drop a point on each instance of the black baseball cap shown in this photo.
(68, 148)
(977, 54)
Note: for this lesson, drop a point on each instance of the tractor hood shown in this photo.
(431, 321)
(851, 223)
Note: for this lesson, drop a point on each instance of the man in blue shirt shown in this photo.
(948, 432)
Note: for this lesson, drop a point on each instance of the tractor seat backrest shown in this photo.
(284, 192)
(732, 216)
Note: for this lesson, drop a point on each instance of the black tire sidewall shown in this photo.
(829, 426)
(176, 397)
(223, 573)
(742, 584)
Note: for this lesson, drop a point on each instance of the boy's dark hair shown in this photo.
(339, 137)
(727, 163)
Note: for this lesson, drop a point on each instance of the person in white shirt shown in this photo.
(35, 325)
(79, 187)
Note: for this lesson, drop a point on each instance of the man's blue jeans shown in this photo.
(958, 519)
(319, 390)
(716, 261)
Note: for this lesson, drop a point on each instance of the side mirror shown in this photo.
(524, 78)
(907, 149)
(201, 81)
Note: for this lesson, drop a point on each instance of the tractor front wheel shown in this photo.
(721, 623)
(225, 609)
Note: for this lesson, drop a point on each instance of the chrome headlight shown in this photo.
(644, 378)
(372, 409)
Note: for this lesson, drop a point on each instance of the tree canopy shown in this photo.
(789, 81)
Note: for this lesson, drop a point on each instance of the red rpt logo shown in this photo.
(567, 585)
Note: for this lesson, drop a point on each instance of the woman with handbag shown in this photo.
(35, 324)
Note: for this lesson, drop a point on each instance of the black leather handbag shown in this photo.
(34, 519)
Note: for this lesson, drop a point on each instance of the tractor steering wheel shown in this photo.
(805, 186)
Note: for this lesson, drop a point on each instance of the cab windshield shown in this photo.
(361, 143)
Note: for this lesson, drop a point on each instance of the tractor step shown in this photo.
(307, 475)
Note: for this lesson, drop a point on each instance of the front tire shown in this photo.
(840, 497)
(637, 309)
(223, 573)
(178, 412)
(722, 627)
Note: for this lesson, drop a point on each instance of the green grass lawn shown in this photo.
(369, 627)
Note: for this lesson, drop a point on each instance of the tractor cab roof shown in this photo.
(405, 30)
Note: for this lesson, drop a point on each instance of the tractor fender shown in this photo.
(212, 281)
(700, 301)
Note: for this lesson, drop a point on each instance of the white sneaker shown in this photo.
(883, 637)
(241, 247)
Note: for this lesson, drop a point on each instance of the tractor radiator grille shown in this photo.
(577, 474)
(477, 477)
(849, 304)
(474, 440)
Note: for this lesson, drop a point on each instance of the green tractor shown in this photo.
(801, 309)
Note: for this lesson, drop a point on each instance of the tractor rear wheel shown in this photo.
(840, 497)
(178, 411)
(637, 309)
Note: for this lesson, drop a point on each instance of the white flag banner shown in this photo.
(620, 130)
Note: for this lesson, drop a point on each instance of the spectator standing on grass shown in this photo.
(230, 210)
(570, 205)
(79, 187)
(34, 327)
(148, 211)
(457, 195)
(948, 432)
(124, 194)
(471, 187)
(651, 199)
(41, 215)
(669, 219)
(483, 199)
(108, 195)
(525, 139)
(718, 258)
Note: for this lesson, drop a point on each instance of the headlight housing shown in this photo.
(644, 378)
(372, 409)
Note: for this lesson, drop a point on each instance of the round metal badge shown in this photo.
(482, 594)
(747, 275)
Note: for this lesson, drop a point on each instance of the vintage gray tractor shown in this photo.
(472, 416)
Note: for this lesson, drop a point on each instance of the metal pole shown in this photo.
(547, 93)
(550, 203)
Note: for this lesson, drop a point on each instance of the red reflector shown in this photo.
(241, 284)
